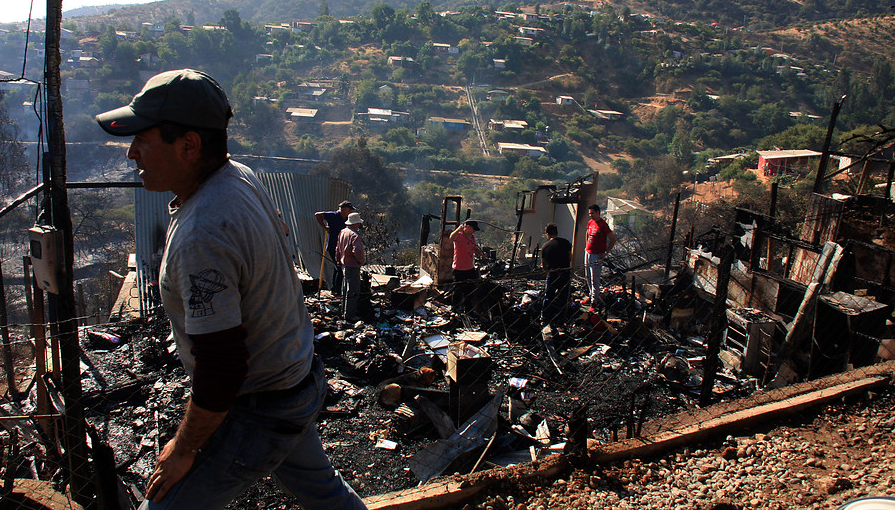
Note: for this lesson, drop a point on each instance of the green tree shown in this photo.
(425, 14)
(800, 136)
(15, 175)
(378, 188)
(400, 137)
(383, 15)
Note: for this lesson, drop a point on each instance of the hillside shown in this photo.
(646, 98)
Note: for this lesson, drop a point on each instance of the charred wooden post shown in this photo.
(11, 387)
(75, 435)
(717, 325)
(889, 178)
(677, 203)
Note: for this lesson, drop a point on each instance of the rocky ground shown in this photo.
(816, 460)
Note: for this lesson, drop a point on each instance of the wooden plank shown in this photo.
(658, 443)
(709, 421)
(39, 495)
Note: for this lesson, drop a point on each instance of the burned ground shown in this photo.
(134, 389)
(611, 370)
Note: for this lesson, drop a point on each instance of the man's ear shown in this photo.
(191, 146)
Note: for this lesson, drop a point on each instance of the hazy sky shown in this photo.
(17, 10)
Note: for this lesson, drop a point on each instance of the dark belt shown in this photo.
(274, 395)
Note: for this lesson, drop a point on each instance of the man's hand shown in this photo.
(172, 465)
(179, 454)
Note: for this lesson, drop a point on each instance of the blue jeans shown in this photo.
(262, 436)
(593, 267)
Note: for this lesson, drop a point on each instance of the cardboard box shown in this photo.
(468, 364)
(409, 298)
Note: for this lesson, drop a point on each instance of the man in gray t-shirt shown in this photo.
(236, 309)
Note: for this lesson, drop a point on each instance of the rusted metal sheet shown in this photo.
(822, 219)
(873, 264)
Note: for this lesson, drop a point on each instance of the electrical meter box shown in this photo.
(44, 253)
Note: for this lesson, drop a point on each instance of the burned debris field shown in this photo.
(752, 324)
(135, 387)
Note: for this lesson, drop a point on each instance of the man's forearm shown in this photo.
(197, 426)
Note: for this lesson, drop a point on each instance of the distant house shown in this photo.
(312, 91)
(500, 63)
(147, 58)
(510, 125)
(797, 115)
(405, 62)
(263, 57)
(498, 95)
(449, 123)
(531, 31)
(524, 41)
(445, 48)
(155, 30)
(607, 115)
(77, 87)
(302, 26)
(505, 14)
(88, 62)
(9, 81)
(383, 117)
(522, 149)
(565, 100)
(301, 114)
(626, 213)
(786, 162)
(282, 27)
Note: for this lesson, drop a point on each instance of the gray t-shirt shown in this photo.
(226, 263)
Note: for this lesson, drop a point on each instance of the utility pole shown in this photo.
(74, 431)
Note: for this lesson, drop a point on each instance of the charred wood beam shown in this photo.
(717, 325)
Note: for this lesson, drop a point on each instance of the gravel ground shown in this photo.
(818, 460)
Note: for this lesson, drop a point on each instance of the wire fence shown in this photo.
(446, 379)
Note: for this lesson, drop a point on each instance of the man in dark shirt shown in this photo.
(556, 258)
(333, 222)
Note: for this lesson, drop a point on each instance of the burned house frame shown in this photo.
(807, 306)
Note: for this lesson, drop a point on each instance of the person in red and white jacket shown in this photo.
(600, 239)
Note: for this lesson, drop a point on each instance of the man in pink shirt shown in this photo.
(465, 249)
(600, 239)
(350, 253)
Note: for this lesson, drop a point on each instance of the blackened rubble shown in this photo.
(610, 364)
(610, 369)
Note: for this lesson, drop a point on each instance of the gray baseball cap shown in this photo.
(185, 96)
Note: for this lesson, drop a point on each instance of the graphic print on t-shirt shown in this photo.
(204, 286)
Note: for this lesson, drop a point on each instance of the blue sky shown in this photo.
(17, 10)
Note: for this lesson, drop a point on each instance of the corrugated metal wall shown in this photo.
(297, 197)
(151, 223)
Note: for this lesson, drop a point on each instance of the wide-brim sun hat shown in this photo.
(354, 219)
(184, 96)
